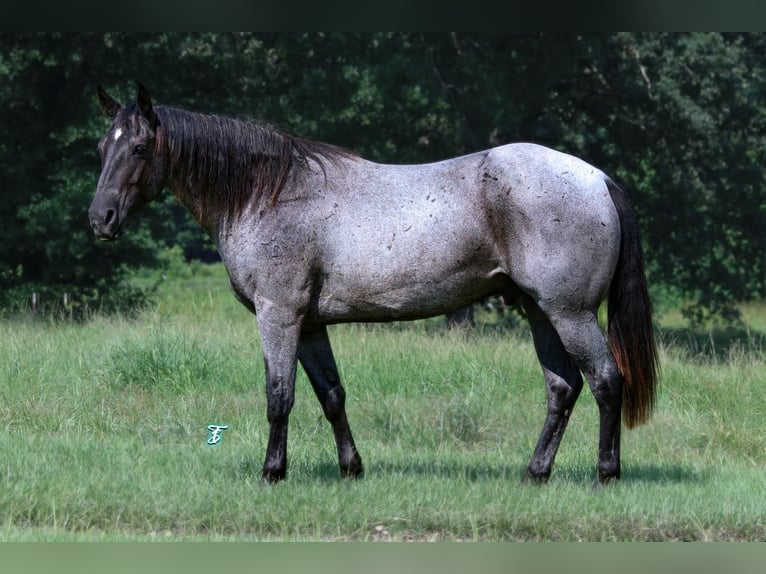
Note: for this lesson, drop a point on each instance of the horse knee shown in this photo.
(607, 386)
(278, 410)
(334, 404)
(280, 402)
(563, 392)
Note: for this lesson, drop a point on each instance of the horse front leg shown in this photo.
(279, 330)
(316, 357)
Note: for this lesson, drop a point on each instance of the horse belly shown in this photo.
(414, 298)
(407, 273)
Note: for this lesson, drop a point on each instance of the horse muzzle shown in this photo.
(105, 221)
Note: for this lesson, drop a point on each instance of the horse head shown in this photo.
(132, 171)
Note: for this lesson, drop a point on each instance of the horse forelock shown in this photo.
(226, 163)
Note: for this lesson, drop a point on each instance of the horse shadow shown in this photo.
(719, 343)
(650, 473)
(327, 472)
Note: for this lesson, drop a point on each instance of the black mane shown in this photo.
(228, 162)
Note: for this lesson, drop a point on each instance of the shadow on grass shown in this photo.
(648, 473)
(664, 474)
(718, 344)
(250, 470)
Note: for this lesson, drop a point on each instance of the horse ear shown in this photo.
(110, 106)
(145, 102)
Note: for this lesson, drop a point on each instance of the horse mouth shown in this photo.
(107, 226)
(106, 232)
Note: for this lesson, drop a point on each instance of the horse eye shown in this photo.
(139, 149)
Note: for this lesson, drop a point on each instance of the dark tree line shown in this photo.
(679, 119)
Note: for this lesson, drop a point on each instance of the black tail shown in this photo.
(630, 332)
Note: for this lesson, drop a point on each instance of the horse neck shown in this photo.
(221, 167)
(212, 164)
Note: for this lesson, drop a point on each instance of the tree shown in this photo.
(683, 126)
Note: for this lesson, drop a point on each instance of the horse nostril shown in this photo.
(109, 216)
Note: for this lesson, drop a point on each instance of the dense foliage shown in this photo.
(677, 118)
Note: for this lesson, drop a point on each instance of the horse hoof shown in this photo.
(535, 479)
(601, 482)
(268, 479)
(353, 472)
(351, 467)
(352, 475)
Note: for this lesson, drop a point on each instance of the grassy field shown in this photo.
(105, 435)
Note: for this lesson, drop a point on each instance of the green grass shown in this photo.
(105, 428)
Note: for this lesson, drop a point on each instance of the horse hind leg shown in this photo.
(585, 343)
(316, 357)
(563, 384)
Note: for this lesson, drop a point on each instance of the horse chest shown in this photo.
(267, 264)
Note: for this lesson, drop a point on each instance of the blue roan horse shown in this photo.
(312, 234)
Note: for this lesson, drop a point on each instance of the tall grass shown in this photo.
(105, 436)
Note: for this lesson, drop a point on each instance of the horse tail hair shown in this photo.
(629, 328)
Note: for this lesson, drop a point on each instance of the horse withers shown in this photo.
(312, 235)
